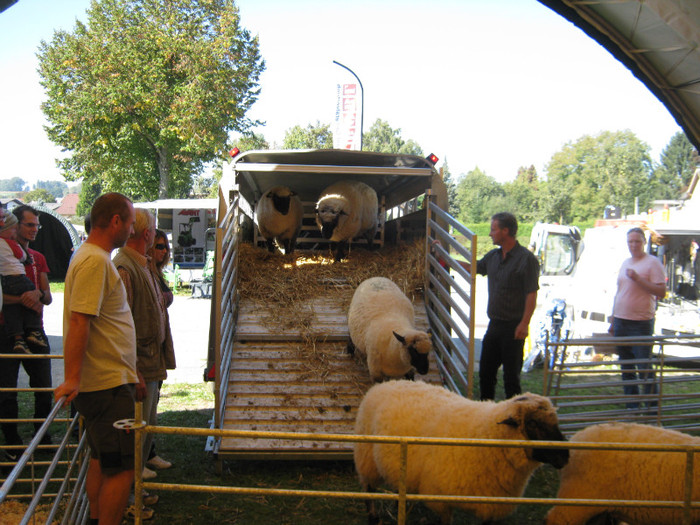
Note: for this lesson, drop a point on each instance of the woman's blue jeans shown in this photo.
(636, 371)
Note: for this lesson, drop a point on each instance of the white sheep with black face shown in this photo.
(345, 211)
(414, 408)
(382, 330)
(626, 475)
(279, 213)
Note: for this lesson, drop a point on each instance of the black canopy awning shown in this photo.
(656, 39)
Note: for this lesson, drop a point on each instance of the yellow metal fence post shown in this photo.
(402, 484)
(138, 460)
(688, 496)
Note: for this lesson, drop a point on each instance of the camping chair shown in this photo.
(202, 287)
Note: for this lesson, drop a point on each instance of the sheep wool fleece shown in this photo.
(624, 474)
(274, 224)
(407, 408)
(378, 309)
(356, 206)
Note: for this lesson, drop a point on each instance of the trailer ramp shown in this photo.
(297, 381)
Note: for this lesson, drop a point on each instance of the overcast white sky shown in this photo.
(496, 84)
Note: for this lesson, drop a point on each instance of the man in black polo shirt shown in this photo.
(513, 273)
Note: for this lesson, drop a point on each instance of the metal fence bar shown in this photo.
(27, 455)
(401, 496)
(688, 496)
(592, 391)
(40, 491)
(18, 390)
(74, 464)
(77, 508)
(403, 458)
(439, 303)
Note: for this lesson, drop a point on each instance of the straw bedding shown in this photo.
(12, 512)
(286, 289)
(280, 283)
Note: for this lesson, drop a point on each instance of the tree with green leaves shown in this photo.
(39, 195)
(451, 189)
(13, 184)
(251, 141)
(587, 175)
(523, 195)
(205, 185)
(56, 188)
(477, 195)
(89, 191)
(313, 136)
(676, 167)
(146, 92)
(382, 138)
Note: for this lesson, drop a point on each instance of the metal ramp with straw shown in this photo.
(296, 382)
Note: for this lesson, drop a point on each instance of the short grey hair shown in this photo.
(144, 221)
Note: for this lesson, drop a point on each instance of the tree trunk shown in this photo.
(163, 161)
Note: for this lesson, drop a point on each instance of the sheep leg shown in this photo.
(603, 519)
(370, 238)
(411, 375)
(341, 251)
(372, 515)
(270, 245)
(350, 349)
(292, 246)
(560, 515)
(287, 246)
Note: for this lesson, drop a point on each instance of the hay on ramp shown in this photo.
(287, 289)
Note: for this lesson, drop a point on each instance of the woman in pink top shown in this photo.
(641, 281)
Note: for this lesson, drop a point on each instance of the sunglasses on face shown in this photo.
(161, 246)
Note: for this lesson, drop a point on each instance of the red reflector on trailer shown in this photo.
(432, 158)
(233, 152)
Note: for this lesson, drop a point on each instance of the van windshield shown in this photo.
(559, 256)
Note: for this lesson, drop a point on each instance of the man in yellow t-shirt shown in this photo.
(99, 344)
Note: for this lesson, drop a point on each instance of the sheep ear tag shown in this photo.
(510, 422)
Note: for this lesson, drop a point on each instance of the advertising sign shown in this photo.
(347, 133)
(189, 236)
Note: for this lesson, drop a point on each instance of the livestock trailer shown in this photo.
(272, 374)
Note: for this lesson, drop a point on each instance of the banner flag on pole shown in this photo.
(347, 133)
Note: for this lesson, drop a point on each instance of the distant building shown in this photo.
(68, 205)
(10, 203)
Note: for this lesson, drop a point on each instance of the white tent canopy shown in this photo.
(178, 204)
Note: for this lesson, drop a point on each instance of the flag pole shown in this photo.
(362, 102)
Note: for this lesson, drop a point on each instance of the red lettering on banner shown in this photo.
(189, 212)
